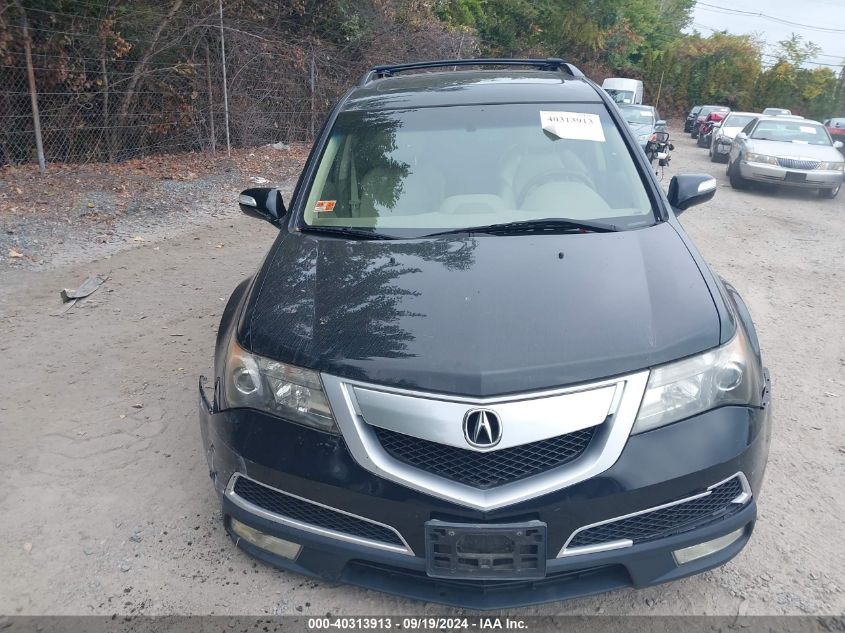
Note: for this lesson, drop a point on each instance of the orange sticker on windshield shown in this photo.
(324, 206)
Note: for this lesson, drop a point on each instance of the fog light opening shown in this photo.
(694, 552)
(274, 544)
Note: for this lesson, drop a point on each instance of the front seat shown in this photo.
(407, 190)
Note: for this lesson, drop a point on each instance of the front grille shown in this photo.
(664, 522)
(794, 163)
(485, 470)
(305, 512)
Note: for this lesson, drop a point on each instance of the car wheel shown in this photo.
(737, 181)
(714, 158)
(830, 193)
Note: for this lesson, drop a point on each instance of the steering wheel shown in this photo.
(551, 175)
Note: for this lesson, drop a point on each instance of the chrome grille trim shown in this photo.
(798, 163)
(308, 527)
(604, 450)
(621, 543)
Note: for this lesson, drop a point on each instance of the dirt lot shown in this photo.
(106, 505)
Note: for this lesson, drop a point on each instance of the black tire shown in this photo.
(737, 181)
(702, 141)
(713, 157)
(830, 193)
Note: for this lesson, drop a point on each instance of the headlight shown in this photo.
(761, 158)
(833, 166)
(644, 137)
(728, 375)
(293, 393)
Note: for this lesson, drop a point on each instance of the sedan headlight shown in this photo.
(833, 166)
(296, 394)
(643, 138)
(728, 375)
(760, 158)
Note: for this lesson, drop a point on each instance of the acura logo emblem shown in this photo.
(482, 428)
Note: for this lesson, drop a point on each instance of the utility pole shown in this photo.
(33, 94)
(313, 82)
(225, 87)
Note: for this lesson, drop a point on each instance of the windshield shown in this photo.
(409, 173)
(792, 131)
(638, 116)
(738, 120)
(620, 96)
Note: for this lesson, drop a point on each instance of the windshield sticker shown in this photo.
(324, 206)
(807, 129)
(578, 126)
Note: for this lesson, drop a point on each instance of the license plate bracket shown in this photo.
(497, 551)
(795, 176)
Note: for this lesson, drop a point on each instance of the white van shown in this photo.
(624, 91)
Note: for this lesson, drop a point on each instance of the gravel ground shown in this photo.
(106, 503)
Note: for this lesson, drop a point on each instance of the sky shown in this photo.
(795, 16)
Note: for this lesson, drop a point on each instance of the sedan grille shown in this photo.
(663, 522)
(303, 511)
(485, 470)
(795, 163)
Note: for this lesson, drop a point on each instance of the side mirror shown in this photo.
(742, 136)
(263, 203)
(838, 144)
(688, 190)
(660, 123)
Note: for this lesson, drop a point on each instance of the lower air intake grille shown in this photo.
(305, 512)
(795, 163)
(485, 470)
(665, 522)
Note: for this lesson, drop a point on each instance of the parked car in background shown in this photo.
(787, 152)
(836, 129)
(624, 91)
(691, 117)
(702, 116)
(777, 112)
(643, 121)
(725, 132)
(705, 130)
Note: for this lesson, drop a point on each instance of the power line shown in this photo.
(730, 11)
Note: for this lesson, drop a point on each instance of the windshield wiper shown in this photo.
(345, 231)
(545, 225)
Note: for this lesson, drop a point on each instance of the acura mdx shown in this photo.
(482, 363)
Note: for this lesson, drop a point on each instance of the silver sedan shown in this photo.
(791, 152)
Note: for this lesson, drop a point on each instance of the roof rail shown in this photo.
(388, 70)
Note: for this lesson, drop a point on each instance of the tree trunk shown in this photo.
(141, 66)
(213, 136)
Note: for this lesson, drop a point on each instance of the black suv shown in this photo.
(482, 363)
(692, 117)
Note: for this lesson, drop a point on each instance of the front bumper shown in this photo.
(814, 178)
(655, 467)
(722, 146)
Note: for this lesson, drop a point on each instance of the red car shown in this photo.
(703, 114)
(836, 127)
(705, 127)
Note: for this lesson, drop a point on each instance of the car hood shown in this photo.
(640, 128)
(729, 132)
(482, 315)
(793, 150)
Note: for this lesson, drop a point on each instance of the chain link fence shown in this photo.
(114, 83)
